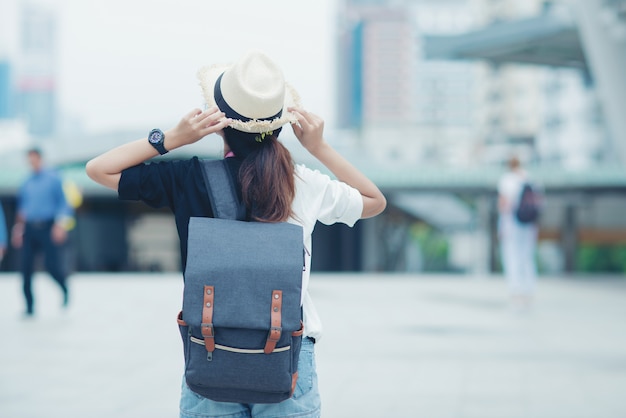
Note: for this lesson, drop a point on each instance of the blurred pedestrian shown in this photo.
(42, 211)
(248, 104)
(518, 236)
(3, 234)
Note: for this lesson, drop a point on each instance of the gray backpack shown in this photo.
(241, 321)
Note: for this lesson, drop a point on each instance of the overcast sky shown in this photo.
(133, 63)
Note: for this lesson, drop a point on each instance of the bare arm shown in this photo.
(310, 134)
(107, 168)
(503, 203)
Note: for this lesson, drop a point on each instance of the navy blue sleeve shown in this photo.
(156, 184)
(3, 229)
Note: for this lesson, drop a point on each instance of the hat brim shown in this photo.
(208, 76)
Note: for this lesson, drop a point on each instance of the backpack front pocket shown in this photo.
(247, 370)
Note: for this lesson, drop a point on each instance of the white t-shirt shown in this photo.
(510, 187)
(319, 198)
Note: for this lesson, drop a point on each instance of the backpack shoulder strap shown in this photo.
(221, 190)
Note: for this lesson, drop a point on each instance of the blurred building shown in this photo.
(376, 76)
(36, 93)
(6, 68)
(28, 54)
(377, 66)
(490, 78)
(407, 105)
(404, 109)
(6, 90)
(541, 97)
(433, 96)
(446, 112)
(602, 26)
(546, 114)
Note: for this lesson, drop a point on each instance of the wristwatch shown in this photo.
(156, 138)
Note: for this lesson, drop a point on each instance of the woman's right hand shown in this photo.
(194, 126)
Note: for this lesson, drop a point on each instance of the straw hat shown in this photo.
(252, 92)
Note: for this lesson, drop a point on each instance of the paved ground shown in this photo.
(394, 346)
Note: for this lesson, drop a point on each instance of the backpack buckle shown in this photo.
(274, 334)
(208, 334)
(207, 330)
(272, 338)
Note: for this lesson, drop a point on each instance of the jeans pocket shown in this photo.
(306, 371)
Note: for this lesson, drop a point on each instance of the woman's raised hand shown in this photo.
(309, 130)
(196, 125)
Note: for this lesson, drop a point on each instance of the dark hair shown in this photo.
(34, 150)
(514, 163)
(267, 181)
(266, 175)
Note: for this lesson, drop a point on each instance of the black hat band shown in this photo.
(229, 111)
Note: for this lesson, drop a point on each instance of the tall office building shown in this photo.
(36, 81)
(376, 75)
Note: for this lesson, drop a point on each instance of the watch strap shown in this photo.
(160, 147)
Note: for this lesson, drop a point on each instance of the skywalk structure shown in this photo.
(591, 39)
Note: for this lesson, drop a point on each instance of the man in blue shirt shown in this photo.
(3, 234)
(42, 211)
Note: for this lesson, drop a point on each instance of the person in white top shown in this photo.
(248, 103)
(517, 240)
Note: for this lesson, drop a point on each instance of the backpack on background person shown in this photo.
(529, 205)
(241, 321)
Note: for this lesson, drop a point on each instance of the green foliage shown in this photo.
(601, 258)
(433, 245)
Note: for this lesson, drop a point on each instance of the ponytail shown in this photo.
(267, 181)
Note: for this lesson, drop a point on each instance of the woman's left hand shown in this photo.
(309, 130)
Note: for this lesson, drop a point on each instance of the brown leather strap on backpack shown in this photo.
(299, 332)
(294, 382)
(207, 319)
(180, 320)
(276, 321)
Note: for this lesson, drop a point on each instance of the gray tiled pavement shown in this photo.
(394, 346)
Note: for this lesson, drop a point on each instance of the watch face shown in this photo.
(155, 137)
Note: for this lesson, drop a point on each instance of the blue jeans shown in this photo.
(37, 238)
(518, 244)
(305, 402)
